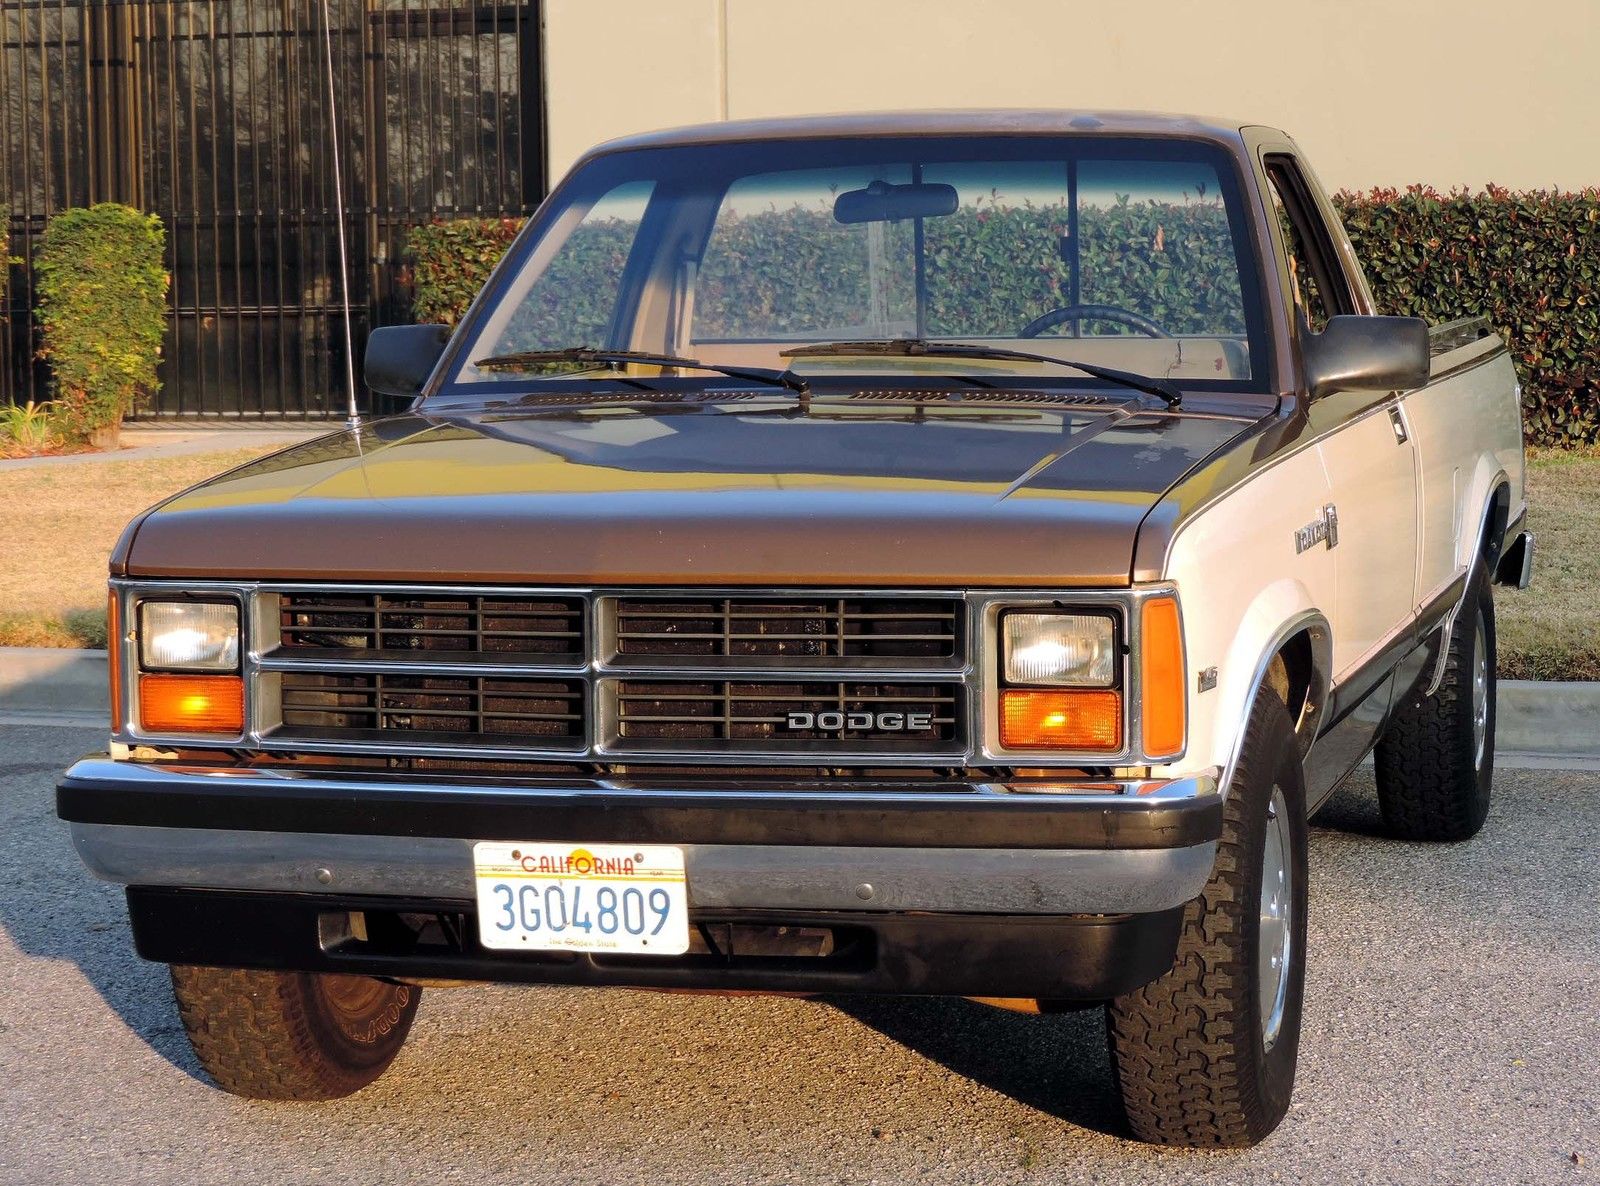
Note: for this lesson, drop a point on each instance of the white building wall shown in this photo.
(1378, 92)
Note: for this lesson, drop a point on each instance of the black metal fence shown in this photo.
(213, 114)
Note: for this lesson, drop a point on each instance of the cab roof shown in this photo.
(974, 122)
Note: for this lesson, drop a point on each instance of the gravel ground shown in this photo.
(1452, 1036)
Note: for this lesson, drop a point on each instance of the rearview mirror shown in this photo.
(400, 358)
(1367, 354)
(884, 202)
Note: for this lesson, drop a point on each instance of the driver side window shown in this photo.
(1317, 285)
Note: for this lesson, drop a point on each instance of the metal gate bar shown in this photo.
(211, 113)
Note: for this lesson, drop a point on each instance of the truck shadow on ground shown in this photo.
(1056, 1063)
(1353, 808)
(97, 941)
(52, 910)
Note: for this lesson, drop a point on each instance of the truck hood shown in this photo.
(745, 493)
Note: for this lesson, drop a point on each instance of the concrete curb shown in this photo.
(1536, 717)
(53, 679)
(1554, 719)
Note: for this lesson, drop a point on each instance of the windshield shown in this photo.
(1127, 253)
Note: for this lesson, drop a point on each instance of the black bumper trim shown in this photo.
(391, 807)
(1074, 958)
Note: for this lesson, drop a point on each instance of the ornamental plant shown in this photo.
(102, 284)
(26, 429)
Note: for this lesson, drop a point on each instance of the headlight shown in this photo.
(1060, 650)
(188, 636)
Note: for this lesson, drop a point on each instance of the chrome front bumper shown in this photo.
(1106, 847)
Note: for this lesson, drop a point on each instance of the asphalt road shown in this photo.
(1452, 1036)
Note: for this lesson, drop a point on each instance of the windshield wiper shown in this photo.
(923, 348)
(531, 358)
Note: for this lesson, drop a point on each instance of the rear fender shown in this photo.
(1486, 510)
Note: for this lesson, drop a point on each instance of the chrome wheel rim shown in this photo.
(1275, 933)
(1480, 695)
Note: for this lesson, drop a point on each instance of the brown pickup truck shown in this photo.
(937, 554)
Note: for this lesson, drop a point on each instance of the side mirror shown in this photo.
(401, 357)
(1367, 354)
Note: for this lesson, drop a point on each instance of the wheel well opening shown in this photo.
(1494, 528)
(1294, 676)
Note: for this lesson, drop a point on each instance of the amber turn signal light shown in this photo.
(1161, 678)
(191, 704)
(114, 654)
(1087, 719)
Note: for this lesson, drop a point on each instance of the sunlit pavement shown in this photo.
(1452, 1036)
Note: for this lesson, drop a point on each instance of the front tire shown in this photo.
(1206, 1055)
(292, 1035)
(1435, 763)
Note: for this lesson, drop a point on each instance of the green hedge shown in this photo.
(102, 284)
(1528, 261)
(990, 272)
(451, 260)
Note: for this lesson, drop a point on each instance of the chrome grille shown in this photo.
(462, 624)
(786, 715)
(797, 631)
(615, 676)
(457, 707)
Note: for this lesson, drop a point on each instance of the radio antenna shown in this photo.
(353, 414)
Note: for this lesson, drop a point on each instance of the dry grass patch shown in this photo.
(1552, 629)
(60, 524)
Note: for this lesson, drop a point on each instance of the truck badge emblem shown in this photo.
(861, 722)
(1324, 529)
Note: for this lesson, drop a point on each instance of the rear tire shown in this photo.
(1435, 763)
(1205, 1056)
(292, 1035)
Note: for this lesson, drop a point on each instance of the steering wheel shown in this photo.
(1115, 313)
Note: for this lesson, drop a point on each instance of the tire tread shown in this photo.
(255, 1034)
(1428, 786)
(1178, 1043)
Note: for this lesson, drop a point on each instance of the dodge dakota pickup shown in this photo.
(939, 553)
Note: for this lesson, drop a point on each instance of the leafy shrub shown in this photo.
(102, 290)
(450, 262)
(1530, 262)
(991, 269)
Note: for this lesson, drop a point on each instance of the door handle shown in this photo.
(1398, 423)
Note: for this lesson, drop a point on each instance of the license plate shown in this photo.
(621, 898)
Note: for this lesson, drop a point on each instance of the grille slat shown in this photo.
(742, 714)
(471, 706)
(550, 627)
(905, 632)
